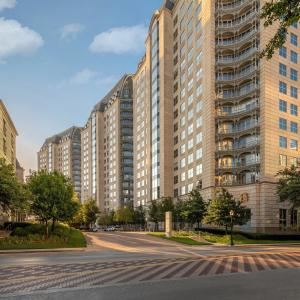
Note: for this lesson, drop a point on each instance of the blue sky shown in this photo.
(59, 57)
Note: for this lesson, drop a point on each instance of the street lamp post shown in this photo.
(231, 226)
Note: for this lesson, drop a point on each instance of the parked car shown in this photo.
(110, 228)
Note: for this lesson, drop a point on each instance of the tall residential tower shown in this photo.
(208, 113)
(107, 149)
(62, 152)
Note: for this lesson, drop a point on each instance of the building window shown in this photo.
(282, 218)
(282, 69)
(282, 105)
(282, 142)
(294, 144)
(294, 127)
(282, 123)
(282, 160)
(294, 74)
(293, 161)
(282, 51)
(294, 57)
(282, 87)
(294, 92)
(294, 218)
(294, 39)
(294, 110)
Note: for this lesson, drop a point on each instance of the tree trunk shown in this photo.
(52, 225)
(226, 230)
(231, 237)
(46, 229)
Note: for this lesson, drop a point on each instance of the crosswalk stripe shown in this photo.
(193, 269)
(269, 261)
(258, 263)
(208, 267)
(142, 272)
(246, 263)
(234, 265)
(290, 260)
(221, 266)
(176, 270)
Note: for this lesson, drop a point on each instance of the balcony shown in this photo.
(238, 75)
(243, 91)
(235, 23)
(229, 6)
(237, 147)
(237, 39)
(239, 128)
(229, 111)
(229, 59)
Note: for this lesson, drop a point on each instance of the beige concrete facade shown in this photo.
(8, 134)
(233, 117)
(62, 152)
(107, 156)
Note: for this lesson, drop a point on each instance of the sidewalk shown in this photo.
(42, 250)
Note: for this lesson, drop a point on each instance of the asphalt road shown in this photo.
(123, 265)
(275, 285)
(104, 246)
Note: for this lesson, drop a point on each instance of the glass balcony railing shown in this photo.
(237, 22)
(239, 146)
(236, 39)
(237, 58)
(239, 164)
(233, 111)
(241, 92)
(231, 5)
(231, 76)
(239, 128)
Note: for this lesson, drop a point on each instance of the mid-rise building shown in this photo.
(62, 152)
(208, 113)
(107, 149)
(19, 172)
(8, 134)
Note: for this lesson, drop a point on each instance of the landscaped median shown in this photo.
(205, 238)
(32, 237)
(180, 237)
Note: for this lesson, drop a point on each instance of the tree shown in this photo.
(139, 215)
(195, 207)
(154, 213)
(288, 188)
(90, 212)
(224, 210)
(106, 218)
(10, 189)
(52, 197)
(179, 213)
(124, 215)
(283, 12)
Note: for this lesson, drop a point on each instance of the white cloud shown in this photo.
(7, 4)
(17, 39)
(120, 40)
(70, 31)
(84, 76)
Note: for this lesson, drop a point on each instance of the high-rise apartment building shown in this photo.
(107, 149)
(62, 152)
(209, 113)
(8, 134)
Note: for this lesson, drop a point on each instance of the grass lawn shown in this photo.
(180, 239)
(240, 239)
(32, 238)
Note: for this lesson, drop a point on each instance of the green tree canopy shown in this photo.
(281, 12)
(11, 190)
(124, 215)
(219, 211)
(52, 197)
(288, 188)
(90, 211)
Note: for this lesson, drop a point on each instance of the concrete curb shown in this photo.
(42, 250)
